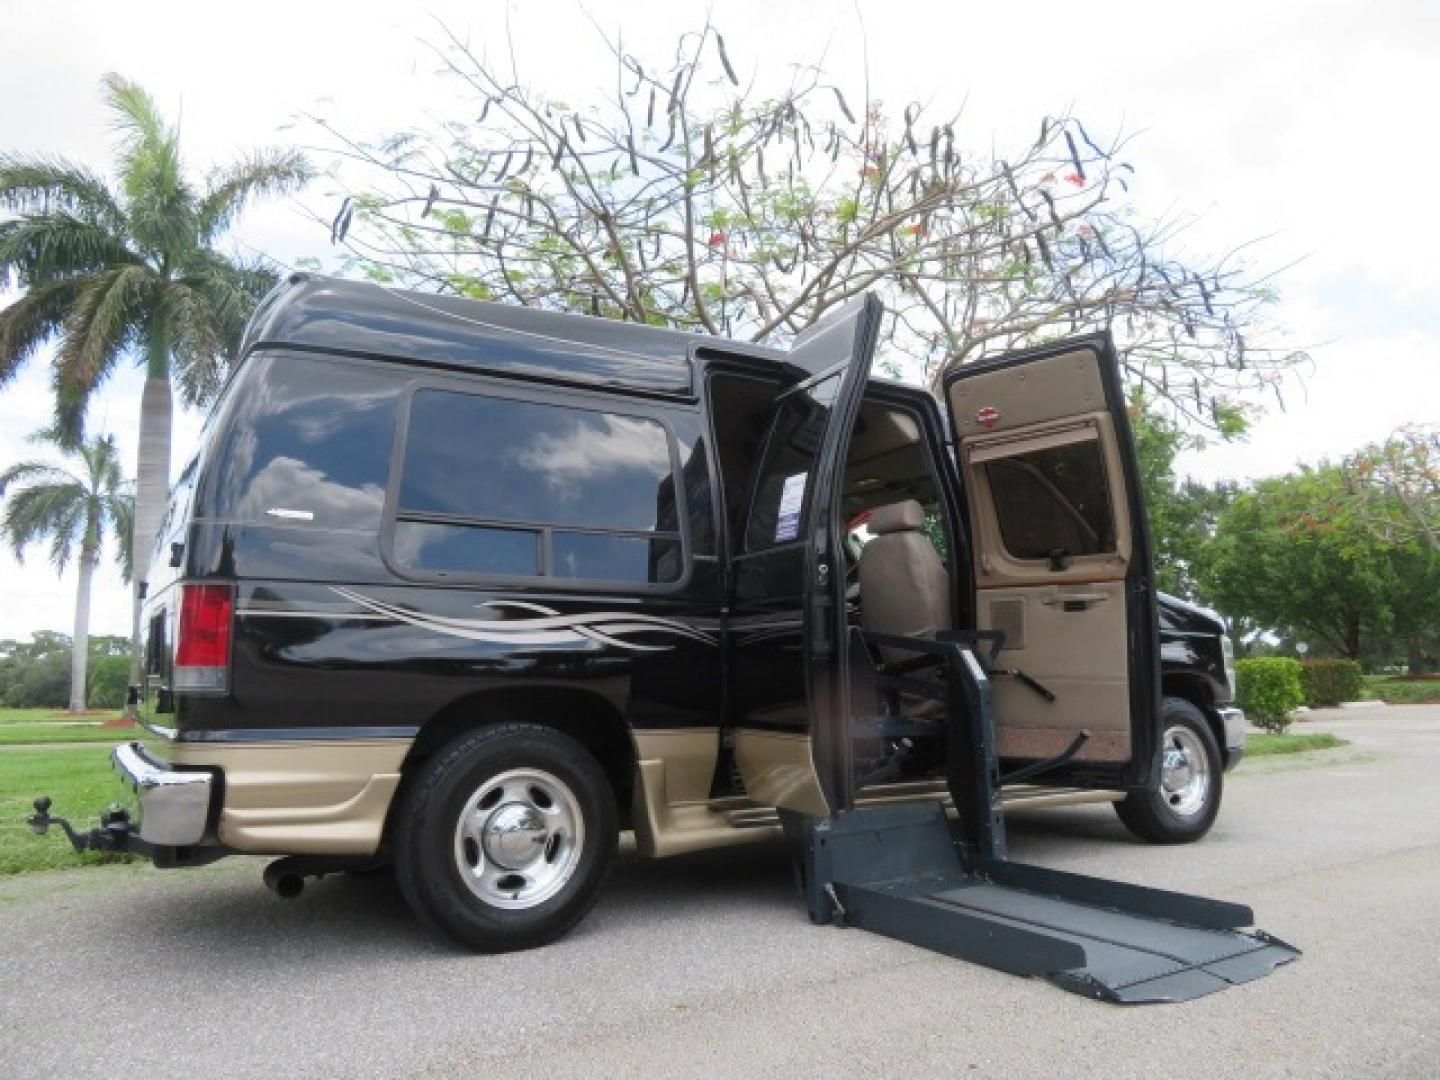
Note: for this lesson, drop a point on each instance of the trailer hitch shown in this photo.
(119, 834)
(116, 832)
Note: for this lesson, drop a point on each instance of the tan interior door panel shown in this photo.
(1065, 617)
(1071, 639)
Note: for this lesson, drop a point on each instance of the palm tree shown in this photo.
(71, 508)
(133, 271)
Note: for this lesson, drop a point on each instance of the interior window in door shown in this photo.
(1053, 500)
(780, 490)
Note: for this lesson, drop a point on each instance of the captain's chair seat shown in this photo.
(904, 587)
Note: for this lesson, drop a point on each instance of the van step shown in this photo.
(897, 871)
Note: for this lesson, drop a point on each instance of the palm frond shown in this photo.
(44, 510)
(54, 502)
(263, 173)
(33, 319)
(120, 511)
(40, 248)
(211, 304)
(36, 473)
(43, 184)
(160, 204)
(201, 337)
(105, 319)
(67, 530)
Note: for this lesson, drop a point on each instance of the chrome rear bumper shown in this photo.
(174, 806)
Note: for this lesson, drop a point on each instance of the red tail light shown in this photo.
(202, 639)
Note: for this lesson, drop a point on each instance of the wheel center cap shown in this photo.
(515, 836)
(1177, 769)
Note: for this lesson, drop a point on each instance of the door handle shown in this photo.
(1075, 601)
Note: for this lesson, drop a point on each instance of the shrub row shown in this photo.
(1329, 682)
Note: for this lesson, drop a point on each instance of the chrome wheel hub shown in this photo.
(1184, 771)
(519, 838)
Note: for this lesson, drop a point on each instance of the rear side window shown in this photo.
(1053, 501)
(496, 486)
(302, 438)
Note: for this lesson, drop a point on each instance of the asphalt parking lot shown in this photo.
(707, 966)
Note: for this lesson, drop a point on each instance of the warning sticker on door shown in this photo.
(792, 497)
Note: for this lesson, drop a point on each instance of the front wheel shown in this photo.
(1184, 794)
(505, 837)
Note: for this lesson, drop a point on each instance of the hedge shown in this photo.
(1268, 689)
(1329, 682)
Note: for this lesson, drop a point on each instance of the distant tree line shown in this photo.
(35, 674)
(1339, 557)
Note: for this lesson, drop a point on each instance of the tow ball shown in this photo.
(116, 832)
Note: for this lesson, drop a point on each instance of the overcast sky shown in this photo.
(1305, 123)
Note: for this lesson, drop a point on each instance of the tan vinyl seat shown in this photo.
(904, 587)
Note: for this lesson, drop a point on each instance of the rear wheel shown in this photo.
(1184, 796)
(506, 836)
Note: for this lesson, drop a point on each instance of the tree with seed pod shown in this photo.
(683, 197)
(1398, 484)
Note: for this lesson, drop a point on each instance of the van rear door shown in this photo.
(1061, 555)
(787, 625)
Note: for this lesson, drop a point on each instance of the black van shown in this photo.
(469, 589)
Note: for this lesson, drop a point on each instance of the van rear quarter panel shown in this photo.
(330, 641)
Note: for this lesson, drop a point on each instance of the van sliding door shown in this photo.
(788, 576)
(1061, 554)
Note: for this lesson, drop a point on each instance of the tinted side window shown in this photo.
(498, 486)
(1053, 500)
(302, 434)
(504, 460)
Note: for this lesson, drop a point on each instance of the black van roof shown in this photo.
(310, 311)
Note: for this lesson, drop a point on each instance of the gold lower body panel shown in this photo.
(288, 798)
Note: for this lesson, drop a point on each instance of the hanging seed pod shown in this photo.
(1006, 172)
(1050, 205)
(650, 110)
(579, 127)
(674, 102)
(634, 158)
(341, 219)
(505, 166)
(725, 61)
(529, 157)
(844, 108)
(1075, 156)
(1044, 251)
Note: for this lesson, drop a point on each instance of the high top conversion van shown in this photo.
(467, 589)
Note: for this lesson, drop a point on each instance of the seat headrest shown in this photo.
(907, 515)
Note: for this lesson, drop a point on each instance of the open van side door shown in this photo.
(1061, 555)
(788, 619)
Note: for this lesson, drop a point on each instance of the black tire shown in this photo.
(1165, 817)
(431, 844)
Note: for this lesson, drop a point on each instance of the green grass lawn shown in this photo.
(81, 783)
(1403, 690)
(21, 726)
(1261, 745)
